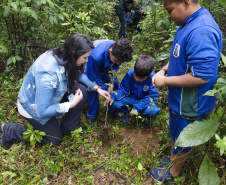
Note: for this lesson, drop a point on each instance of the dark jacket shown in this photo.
(124, 5)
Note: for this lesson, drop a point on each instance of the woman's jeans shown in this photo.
(54, 131)
(122, 18)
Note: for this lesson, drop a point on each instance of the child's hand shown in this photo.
(158, 80)
(108, 101)
(132, 113)
(104, 93)
(110, 88)
(77, 98)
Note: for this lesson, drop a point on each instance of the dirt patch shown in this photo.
(141, 140)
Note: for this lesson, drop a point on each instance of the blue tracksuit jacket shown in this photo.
(196, 50)
(142, 91)
(99, 64)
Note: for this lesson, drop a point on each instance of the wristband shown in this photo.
(163, 70)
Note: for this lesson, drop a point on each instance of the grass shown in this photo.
(86, 160)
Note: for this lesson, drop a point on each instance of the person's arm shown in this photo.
(92, 86)
(93, 72)
(124, 89)
(152, 97)
(87, 82)
(186, 80)
(46, 84)
(201, 61)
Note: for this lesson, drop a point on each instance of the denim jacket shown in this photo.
(43, 88)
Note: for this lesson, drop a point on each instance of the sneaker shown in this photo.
(126, 119)
(145, 124)
(6, 144)
(162, 175)
(164, 163)
(119, 115)
(91, 122)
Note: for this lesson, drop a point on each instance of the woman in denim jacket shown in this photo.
(50, 89)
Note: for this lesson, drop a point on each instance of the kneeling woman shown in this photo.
(43, 96)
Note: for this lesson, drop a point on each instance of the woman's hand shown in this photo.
(77, 98)
(104, 93)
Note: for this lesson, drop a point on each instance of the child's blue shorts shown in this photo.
(177, 124)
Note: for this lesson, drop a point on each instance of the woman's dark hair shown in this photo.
(144, 66)
(122, 50)
(74, 47)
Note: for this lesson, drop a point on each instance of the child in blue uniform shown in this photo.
(192, 71)
(105, 58)
(136, 90)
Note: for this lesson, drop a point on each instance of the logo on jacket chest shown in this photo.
(176, 50)
(145, 88)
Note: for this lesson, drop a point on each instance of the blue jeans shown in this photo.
(53, 130)
(122, 18)
(120, 106)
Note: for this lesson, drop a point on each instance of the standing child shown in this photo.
(136, 91)
(192, 71)
(104, 60)
(121, 9)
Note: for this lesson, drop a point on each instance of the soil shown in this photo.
(142, 141)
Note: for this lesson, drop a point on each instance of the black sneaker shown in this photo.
(162, 175)
(91, 122)
(119, 115)
(145, 124)
(164, 163)
(6, 144)
(126, 119)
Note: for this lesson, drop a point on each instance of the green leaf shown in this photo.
(11, 174)
(33, 14)
(3, 49)
(197, 133)
(65, 24)
(223, 59)
(210, 92)
(30, 126)
(208, 173)
(7, 10)
(25, 9)
(217, 137)
(18, 58)
(140, 167)
(41, 133)
(50, 2)
(10, 60)
(14, 5)
(32, 138)
(162, 56)
(65, 14)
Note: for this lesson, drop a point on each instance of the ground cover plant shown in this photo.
(28, 28)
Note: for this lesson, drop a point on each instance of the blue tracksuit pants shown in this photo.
(93, 101)
(121, 106)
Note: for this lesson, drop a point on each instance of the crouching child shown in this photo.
(136, 93)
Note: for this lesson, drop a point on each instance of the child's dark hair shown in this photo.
(122, 50)
(144, 66)
(178, 1)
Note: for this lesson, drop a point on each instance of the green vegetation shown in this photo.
(30, 27)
